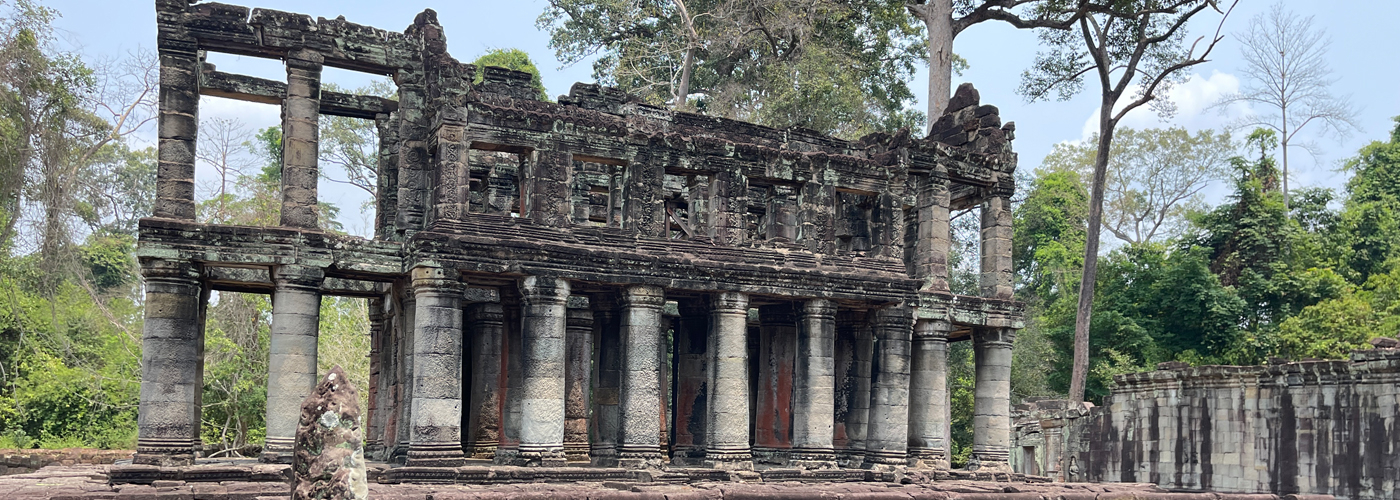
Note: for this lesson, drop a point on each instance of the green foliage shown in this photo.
(1048, 235)
(513, 59)
(1154, 177)
(835, 67)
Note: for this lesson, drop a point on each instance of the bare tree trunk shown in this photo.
(692, 39)
(1080, 369)
(1284, 140)
(684, 91)
(937, 16)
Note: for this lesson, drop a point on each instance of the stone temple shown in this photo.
(594, 280)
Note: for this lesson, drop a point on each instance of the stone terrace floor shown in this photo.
(91, 482)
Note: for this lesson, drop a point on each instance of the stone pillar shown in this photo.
(451, 188)
(436, 438)
(996, 247)
(607, 379)
(991, 406)
(887, 434)
(171, 370)
(543, 360)
(928, 395)
(301, 112)
(508, 449)
(578, 342)
(853, 324)
(777, 359)
(405, 330)
(814, 400)
(486, 323)
(413, 169)
(640, 426)
(374, 417)
(933, 238)
(291, 366)
(692, 384)
(177, 131)
(727, 418)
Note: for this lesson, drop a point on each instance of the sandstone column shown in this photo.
(931, 246)
(436, 418)
(692, 386)
(374, 416)
(178, 127)
(777, 351)
(858, 405)
(887, 434)
(640, 426)
(928, 395)
(578, 373)
(991, 407)
(996, 247)
(171, 373)
(405, 321)
(291, 366)
(487, 326)
(607, 379)
(727, 418)
(301, 112)
(543, 355)
(813, 401)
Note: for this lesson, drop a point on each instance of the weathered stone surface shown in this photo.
(1305, 428)
(537, 217)
(88, 482)
(329, 455)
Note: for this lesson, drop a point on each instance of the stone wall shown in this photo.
(26, 461)
(1311, 427)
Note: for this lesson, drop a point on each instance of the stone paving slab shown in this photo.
(91, 482)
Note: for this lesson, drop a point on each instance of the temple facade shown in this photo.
(589, 280)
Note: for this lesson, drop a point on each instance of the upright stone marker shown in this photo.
(329, 460)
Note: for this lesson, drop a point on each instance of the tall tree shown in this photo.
(945, 19)
(1286, 74)
(833, 66)
(1127, 45)
(1154, 178)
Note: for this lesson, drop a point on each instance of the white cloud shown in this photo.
(1193, 101)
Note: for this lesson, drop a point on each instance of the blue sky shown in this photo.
(1362, 32)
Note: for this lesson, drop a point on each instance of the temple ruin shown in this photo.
(594, 280)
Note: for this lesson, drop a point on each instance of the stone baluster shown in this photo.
(172, 340)
(727, 418)
(928, 395)
(291, 366)
(640, 426)
(436, 419)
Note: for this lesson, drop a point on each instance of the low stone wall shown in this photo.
(26, 461)
(1314, 427)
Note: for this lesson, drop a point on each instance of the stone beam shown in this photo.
(254, 89)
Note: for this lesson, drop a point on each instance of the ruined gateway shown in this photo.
(595, 280)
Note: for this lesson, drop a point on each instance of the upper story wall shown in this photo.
(464, 158)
